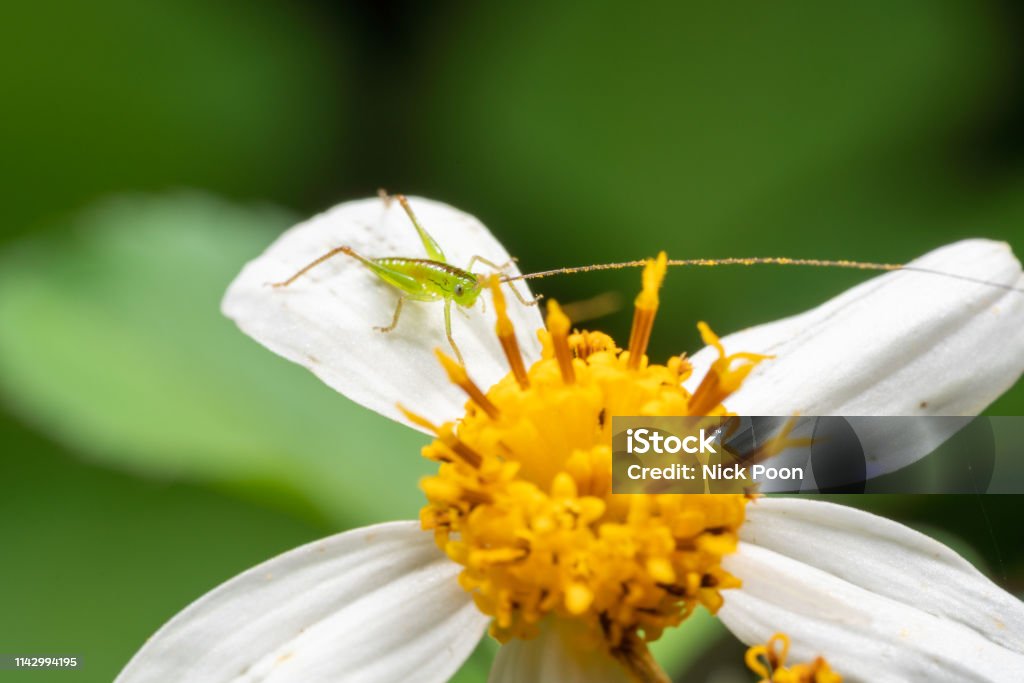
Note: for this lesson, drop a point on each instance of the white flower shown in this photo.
(384, 603)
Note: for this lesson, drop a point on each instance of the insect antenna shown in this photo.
(764, 260)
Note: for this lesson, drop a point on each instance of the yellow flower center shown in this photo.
(523, 496)
(769, 662)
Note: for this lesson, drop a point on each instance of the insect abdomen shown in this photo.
(436, 280)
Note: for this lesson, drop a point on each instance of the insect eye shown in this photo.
(459, 290)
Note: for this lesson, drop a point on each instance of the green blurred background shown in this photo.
(151, 451)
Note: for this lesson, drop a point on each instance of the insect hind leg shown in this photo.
(501, 269)
(316, 262)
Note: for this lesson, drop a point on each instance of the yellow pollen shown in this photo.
(583, 343)
(558, 327)
(530, 515)
(507, 334)
(646, 308)
(769, 662)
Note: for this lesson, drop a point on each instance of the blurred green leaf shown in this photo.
(242, 98)
(113, 343)
(95, 561)
(478, 666)
(678, 648)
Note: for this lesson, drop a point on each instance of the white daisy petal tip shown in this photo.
(326, 320)
(948, 341)
(377, 604)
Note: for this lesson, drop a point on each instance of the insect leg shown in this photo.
(448, 330)
(394, 320)
(488, 262)
(429, 243)
(501, 269)
(316, 262)
(393, 276)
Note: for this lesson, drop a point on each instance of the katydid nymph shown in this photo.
(435, 279)
(421, 279)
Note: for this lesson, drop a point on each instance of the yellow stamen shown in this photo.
(722, 379)
(457, 375)
(558, 326)
(418, 420)
(446, 435)
(444, 489)
(769, 662)
(779, 443)
(646, 308)
(507, 334)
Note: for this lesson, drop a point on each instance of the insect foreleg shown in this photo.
(394, 320)
(523, 299)
(501, 269)
(448, 330)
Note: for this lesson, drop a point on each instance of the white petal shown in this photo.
(557, 654)
(904, 343)
(324, 321)
(380, 603)
(880, 601)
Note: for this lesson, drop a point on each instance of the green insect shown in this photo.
(421, 279)
(434, 279)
